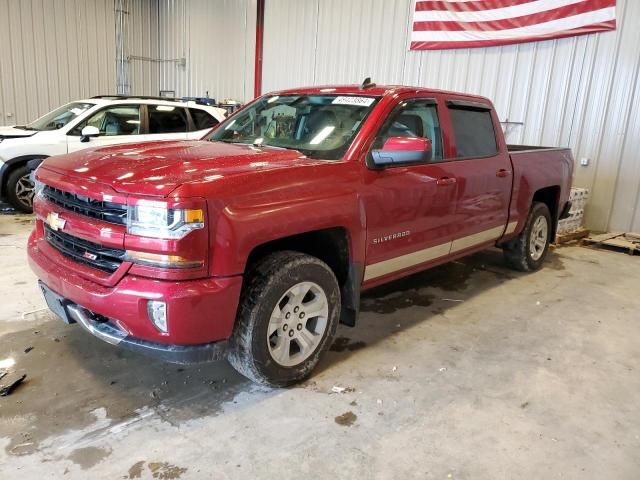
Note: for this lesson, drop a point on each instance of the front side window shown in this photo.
(202, 119)
(167, 119)
(319, 126)
(60, 117)
(473, 131)
(416, 118)
(114, 120)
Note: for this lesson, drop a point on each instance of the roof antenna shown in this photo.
(367, 84)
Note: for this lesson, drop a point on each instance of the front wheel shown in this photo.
(288, 314)
(528, 251)
(20, 189)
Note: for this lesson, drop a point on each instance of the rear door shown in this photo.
(483, 174)
(166, 122)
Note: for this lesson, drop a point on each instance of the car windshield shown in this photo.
(319, 126)
(60, 117)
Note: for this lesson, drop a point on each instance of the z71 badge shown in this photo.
(54, 221)
(391, 236)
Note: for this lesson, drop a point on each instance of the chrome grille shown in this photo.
(106, 211)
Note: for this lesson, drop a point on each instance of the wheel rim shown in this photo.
(297, 324)
(539, 238)
(24, 190)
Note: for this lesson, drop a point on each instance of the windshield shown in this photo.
(60, 117)
(320, 126)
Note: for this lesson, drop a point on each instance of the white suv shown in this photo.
(98, 121)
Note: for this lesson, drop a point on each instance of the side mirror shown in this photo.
(402, 150)
(88, 133)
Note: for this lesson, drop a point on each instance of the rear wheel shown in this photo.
(288, 314)
(528, 251)
(20, 189)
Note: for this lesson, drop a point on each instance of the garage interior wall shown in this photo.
(52, 52)
(581, 92)
(190, 47)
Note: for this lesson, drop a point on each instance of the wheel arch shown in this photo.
(31, 160)
(334, 247)
(550, 196)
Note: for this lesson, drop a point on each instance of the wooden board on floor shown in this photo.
(628, 242)
(571, 236)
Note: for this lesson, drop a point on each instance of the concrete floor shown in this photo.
(468, 371)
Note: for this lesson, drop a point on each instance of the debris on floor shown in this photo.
(346, 419)
(8, 388)
(339, 389)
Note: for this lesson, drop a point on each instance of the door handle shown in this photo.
(445, 181)
(503, 173)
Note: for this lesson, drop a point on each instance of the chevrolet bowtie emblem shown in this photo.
(55, 222)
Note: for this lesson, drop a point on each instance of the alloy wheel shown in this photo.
(297, 324)
(539, 238)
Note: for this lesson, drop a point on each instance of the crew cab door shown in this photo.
(166, 122)
(482, 169)
(409, 208)
(120, 123)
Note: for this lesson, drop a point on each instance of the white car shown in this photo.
(94, 122)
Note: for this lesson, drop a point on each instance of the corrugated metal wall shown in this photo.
(190, 47)
(581, 92)
(52, 52)
(141, 64)
(209, 47)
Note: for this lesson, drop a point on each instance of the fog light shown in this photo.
(157, 312)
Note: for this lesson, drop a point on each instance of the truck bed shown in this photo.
(526, 148)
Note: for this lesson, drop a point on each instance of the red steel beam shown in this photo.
(257, 85)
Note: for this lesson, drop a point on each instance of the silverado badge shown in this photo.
(55, 222)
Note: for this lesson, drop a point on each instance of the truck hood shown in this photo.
(15, 132)
(158, 168)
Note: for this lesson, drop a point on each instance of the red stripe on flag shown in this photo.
(584, 30)
(516, 22)
(476, 6)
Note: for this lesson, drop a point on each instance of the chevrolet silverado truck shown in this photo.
(254, 242)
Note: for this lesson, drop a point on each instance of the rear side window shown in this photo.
(473, 130)
(201, 119)
(167, 119)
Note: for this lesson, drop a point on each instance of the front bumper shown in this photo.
(109, 332)
(200, 312)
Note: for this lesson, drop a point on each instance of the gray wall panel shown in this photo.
(53, 52)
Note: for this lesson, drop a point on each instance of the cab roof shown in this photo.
(372, 91)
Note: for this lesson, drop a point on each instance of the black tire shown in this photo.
(265, 285)
(517, 252)
(15, 191)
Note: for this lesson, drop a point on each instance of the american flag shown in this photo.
(446, 24)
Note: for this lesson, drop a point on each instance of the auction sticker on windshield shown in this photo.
(358, 101)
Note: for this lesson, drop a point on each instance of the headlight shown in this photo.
(152, 219)
(38, 187)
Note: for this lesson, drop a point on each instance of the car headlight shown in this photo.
(153, 219)
(38, 186)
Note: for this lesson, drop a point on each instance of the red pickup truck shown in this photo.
(253, 243)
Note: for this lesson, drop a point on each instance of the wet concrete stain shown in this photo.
(135, 471)
(71, 375)
(87, 457)
(342, 344)
(165, 471)
(554, 262)
(346, 419)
